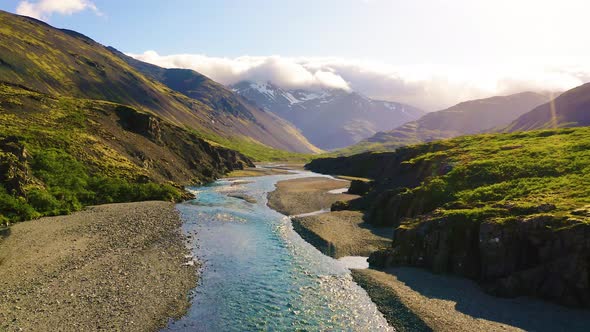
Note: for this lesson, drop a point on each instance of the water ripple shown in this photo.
(259, 274)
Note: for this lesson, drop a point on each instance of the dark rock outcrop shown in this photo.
(441, 245)
(540, 256)
(359, 187)
(340, 206)
(14, 169)
(495, 217)
(144, 124)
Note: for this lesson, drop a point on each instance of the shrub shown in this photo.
(15, 208)
(44, 202)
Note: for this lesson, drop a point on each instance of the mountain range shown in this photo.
(53, 61)
(80, 126)
(570, 109)
(470, 117)
(234, 113)
(328, 118)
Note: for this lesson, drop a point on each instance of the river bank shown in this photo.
(342, 233)
(411, 299)
(336, 234)
(112, 267)
(299, 196)
(449, 303)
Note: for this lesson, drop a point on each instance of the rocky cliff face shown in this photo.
(202, 161)
(14, 170)
(541, 256)
(509, 211)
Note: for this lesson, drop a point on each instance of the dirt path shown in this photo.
(110, 267)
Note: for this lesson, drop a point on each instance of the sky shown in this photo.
(429, 53)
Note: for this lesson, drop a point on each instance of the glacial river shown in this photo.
(258, 274)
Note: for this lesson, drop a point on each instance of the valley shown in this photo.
(181, 190)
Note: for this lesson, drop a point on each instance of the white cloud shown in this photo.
(42, 9)
(431, 87)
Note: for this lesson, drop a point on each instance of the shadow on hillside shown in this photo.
(525, 313)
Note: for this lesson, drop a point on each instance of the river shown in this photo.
(258, 274)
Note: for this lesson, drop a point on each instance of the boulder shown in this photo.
(359, 187)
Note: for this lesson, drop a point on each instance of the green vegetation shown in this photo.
(256, 150)
(365, 146)
(58, 154)
(483, 177)
(501, 177)
(67, 186)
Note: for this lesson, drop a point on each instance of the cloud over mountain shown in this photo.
(430, 87)
(42, 9)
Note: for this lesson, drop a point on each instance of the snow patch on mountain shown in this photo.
(329, 118)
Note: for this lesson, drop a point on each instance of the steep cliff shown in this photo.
(509, 210)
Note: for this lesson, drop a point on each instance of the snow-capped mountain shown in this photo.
(330, 119)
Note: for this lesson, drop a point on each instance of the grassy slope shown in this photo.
(466, 118)
(492, 176)
(58, 154)
(257, 151)
(40, 57)
(570, 109)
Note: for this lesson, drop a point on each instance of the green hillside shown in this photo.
(509, 210)
(62, 62)
(80, 126)
(59, 153)
(466, 118)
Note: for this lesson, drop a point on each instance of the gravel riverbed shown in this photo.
(111, 267)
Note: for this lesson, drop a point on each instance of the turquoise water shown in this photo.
(258, 274)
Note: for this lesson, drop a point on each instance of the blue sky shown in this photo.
(432, 53)
(233, 27)
(393, 31)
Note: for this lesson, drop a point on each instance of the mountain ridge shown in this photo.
(55, 62)
(570, 109)
(465, 118)
(329, 118)
(199, 87)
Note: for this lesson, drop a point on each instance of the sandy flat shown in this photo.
(448, 303)
(113, 267)
(253, 172)
(305, 195)
(342, 233)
